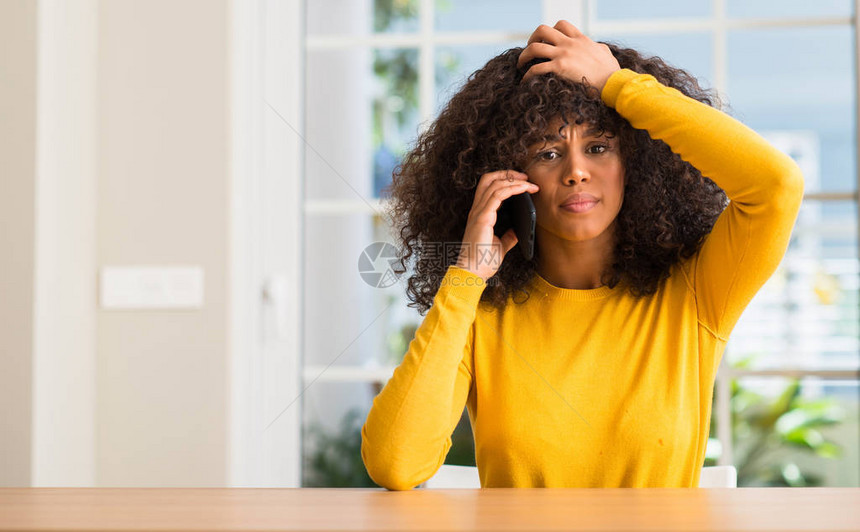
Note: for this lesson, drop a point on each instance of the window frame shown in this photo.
(583, 14)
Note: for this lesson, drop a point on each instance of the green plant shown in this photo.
(462, 451)
(334, 460)
(388, 12)
(768, 429)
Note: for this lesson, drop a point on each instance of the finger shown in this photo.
(506, 178)
(509, 240)
(546, 34)
(510, 176)
(567, 28)
(537, 49)
(490, 177)
(486, 188)
(539, 69)
(500, 184)
(494, 197)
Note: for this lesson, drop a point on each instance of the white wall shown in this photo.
(163, 200)
(118, 148)
(17, 236)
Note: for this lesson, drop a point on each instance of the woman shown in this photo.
(593, 364)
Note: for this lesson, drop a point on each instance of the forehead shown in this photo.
(558, 130)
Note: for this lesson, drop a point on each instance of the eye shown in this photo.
(543, 156)
(601, 148)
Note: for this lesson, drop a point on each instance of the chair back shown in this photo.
(455, 476)
(718, 477)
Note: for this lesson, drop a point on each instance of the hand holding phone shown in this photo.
(482, 250)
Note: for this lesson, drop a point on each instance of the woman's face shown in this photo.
(581, 179)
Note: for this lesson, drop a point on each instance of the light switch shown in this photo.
(147, 287)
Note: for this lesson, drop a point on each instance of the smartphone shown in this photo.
(518, 212)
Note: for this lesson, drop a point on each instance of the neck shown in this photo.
(574, 264)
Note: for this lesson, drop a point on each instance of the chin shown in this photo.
(579, 237)
(580, 231)
(565, 233)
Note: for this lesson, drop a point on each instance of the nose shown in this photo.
(575, 170)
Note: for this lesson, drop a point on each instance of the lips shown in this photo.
(579, 202)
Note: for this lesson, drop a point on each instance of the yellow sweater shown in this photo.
(592, 388)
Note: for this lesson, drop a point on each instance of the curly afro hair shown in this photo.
(668, 208)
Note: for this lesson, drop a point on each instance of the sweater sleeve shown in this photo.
(407, 434)
(765, 188)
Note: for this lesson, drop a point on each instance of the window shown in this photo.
(379, 71)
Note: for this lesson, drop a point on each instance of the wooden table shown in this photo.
(422, 509)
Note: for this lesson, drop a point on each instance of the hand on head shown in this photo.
(570, 53)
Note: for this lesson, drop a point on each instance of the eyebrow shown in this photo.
(591, 131)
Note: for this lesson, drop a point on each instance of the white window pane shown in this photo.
(799, 79)
(690, 51)
(789, 433)
(361, 17)
(361, 114)
(626, 9)
(353, 317)
(487, 15)
(338, 119)
(806, 315)
(395, 111)
(788, 8)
